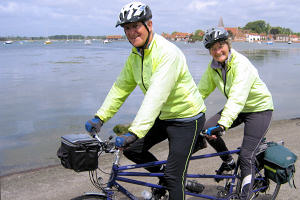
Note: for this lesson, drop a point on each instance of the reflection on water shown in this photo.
(51, 90)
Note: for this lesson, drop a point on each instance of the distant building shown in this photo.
(114, 37)
(181, 36)
(178, 36)
(281, 38)
(236, 33)
(221, 23)
(294, 38)
(252, 37)
(166, 35)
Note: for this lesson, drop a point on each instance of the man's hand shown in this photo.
(93, 125)
(126, 139)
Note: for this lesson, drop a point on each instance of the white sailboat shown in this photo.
(8, 42)
(106, 41)
(87, 42)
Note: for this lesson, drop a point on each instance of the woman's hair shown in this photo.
(227, 41)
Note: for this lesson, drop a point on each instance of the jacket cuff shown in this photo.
(102, 122)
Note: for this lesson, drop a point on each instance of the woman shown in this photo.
(248, 101)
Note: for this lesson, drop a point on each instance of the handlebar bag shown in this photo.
(79, 152)
(279, 163)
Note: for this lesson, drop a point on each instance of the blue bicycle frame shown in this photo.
(118, 173)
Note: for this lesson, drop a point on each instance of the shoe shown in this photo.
(159, 193)
(225, 166)
(194, 186)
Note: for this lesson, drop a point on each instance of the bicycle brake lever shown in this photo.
(92, 133)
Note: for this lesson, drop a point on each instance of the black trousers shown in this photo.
(182, 137)
(255, 129)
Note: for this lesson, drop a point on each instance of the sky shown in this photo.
(98, 17)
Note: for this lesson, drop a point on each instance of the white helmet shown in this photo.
(134, 12)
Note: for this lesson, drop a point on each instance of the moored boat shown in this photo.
(47, 42)
(8, 42)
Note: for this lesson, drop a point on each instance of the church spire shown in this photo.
(221, 24)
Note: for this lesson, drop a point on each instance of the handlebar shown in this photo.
(106, 145)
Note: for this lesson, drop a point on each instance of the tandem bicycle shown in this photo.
(119, 174)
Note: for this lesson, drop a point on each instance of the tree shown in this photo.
(275, 30)
(197, 36)
(287, 31)
(268, 28)
(259, 26)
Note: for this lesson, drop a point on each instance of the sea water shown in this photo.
(51, 90)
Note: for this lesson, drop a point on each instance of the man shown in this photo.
(172, 107)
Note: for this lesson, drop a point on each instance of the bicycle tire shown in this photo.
(90, 197)
(269, 193)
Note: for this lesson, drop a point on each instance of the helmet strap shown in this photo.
(148, 37)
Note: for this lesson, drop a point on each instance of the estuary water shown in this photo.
(51, 90)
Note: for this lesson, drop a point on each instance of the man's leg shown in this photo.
(182, 137)
(138, 152)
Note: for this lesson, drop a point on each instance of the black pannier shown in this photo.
(79, 152)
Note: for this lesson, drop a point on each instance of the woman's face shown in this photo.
(137, 33)
(219, 51)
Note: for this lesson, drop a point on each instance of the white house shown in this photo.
(252, 37)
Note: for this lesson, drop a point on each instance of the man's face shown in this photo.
(219, 51)
(137, 33)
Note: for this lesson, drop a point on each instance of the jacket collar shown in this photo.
(138, 50)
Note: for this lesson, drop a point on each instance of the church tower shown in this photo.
(221, 24)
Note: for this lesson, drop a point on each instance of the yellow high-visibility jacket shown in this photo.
(163, 76)
(244, 90)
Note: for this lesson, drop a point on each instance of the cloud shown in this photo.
(200, 5)
(84, 17)
(9, 8)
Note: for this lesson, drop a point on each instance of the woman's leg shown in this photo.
(256, 126)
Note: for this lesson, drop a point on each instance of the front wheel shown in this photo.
(90, 197)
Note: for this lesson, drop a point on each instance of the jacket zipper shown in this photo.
(142, 70)
(223, 81)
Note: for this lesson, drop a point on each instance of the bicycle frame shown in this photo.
(118, 173)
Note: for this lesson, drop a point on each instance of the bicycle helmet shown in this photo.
(214, 35)
(134, 12)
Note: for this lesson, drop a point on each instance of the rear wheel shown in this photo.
(263, 188)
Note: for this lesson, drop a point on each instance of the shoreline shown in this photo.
(57, 183)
